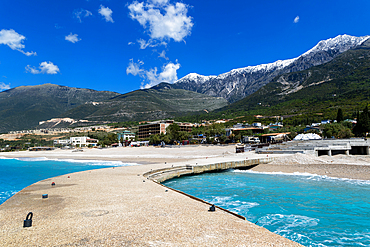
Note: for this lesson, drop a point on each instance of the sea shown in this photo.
(16, 174)
(309, 209)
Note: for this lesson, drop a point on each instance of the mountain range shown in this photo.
(24, 107)
(239, 83)
(159, 102)
(344, 83)
(339, 66)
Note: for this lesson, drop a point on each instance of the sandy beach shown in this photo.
(342, 166)
(119, 207)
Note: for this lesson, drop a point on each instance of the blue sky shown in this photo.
(122, 46)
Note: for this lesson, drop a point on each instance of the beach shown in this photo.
(338, 166)
(120, 207)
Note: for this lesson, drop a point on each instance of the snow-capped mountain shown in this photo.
(238, 83)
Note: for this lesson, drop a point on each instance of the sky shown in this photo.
(122, 46)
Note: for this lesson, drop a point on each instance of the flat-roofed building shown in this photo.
(158, 127)
(83, 141)
(125, 135)
(62, 142)
(185, 127)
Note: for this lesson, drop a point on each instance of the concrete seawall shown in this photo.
(162, 175)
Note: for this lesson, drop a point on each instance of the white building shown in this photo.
(126, 135)
(83, 141)
(62, 142)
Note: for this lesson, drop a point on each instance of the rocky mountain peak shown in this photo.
(238, 83)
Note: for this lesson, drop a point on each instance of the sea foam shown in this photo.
(309, 176)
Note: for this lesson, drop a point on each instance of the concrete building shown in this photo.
(235, 131)
(83, 141)
(64, 142)
(126, 135)
(158, 127)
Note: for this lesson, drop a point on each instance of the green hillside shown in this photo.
(342, 83)
(161, 101)
(23, 107)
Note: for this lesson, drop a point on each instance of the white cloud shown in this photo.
(134, 68)
(161, 19)
(72, 38)
(3, 86)
(44, 68)
(81, 13)
(151, 77)
(163, 55)
(143, 44)
(106, 13)
(14, 40)
(150, 43)
(296, 20)
(160, 2)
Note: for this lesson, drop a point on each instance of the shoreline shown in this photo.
(340, 171)
(356, 167)
(340, 166)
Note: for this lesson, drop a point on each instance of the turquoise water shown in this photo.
(16, 174)
(309, 209)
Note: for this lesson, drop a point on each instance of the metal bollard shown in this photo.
(28, 221)
(212, 208)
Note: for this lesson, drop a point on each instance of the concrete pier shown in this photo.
(121, 207)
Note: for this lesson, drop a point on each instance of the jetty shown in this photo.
(127, 206)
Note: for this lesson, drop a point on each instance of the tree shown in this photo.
(173, 131)
(337, 130)
(154, 139)
(340, 116)
(183, 135)
(238, 137)
(222, 139)
(166, 139)
(363, 123)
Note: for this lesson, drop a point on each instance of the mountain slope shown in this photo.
(23, 107)
(161, 101)
(238, 83)
(343, 82)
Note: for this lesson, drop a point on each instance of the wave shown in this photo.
(87, 162)
(288, 221)
(291, 226)
(4, 158)
(4, 195)
(309, 176)
(233, 205)
(294, 227)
